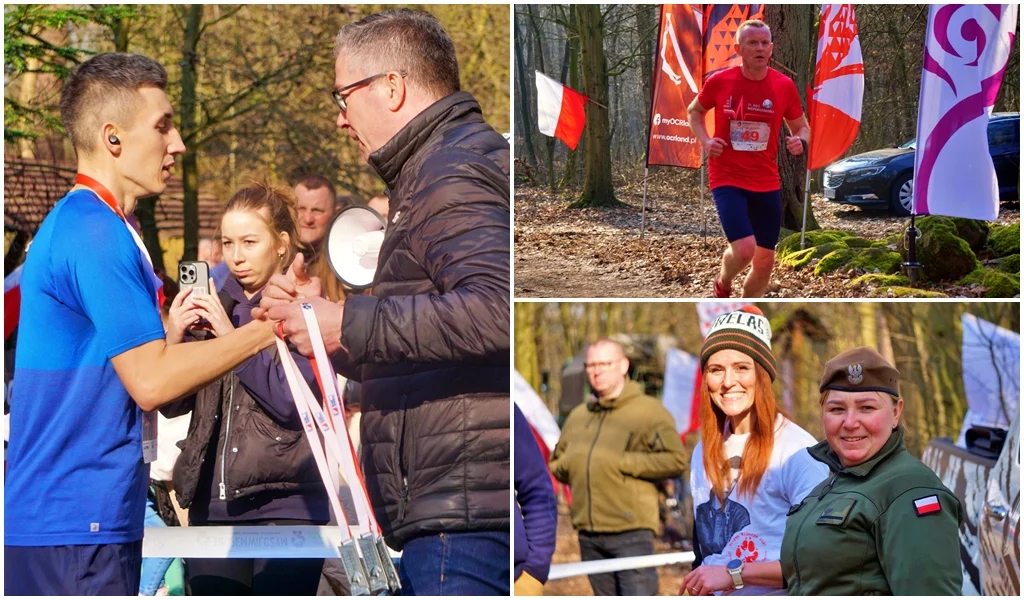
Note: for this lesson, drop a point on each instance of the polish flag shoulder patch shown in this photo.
(927, 505)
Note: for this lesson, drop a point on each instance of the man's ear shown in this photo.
(397, 91)
(110, 139)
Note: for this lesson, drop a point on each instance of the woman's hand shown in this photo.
(706, 580)
(208, 306)
(180, 317)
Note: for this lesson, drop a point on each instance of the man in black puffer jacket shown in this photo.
(431, 346)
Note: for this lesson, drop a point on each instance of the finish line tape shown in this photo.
(248, 541)
(611, 565)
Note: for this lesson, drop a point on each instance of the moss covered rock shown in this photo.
(996, 283)
(868, 260)
(943, 254)
(880, 280)
(1005, 239)
(904, 292)
(791, 243)
(800, 258)
(974, 232)
(1007, 264)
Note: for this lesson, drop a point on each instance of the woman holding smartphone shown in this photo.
(246, 460)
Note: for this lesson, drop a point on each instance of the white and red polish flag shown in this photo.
(12, 300)
(835, 103)
(560, 110)
(967, 50)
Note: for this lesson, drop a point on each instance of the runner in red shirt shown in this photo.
(750, 101)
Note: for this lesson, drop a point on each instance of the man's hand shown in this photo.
(795, 145)
(293, 285)
(328, 316)
(715, 147)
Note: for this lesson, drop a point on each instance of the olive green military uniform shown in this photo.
(861, 533)
(611, 453)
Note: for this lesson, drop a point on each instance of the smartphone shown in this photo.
(194, 274)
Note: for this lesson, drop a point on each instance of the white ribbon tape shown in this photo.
(248, 541)
(611, 565)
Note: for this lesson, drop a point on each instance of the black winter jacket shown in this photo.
(431, 345)
(272, 457)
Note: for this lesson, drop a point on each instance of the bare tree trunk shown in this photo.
(790, 24)
(527, 362)
(525, 106)
(189, 110)
(597, 182)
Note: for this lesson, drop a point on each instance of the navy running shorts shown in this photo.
(744, 213)
(95, 570)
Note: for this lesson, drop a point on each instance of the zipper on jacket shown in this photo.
(590, 453)
(227, 432)
(403, 498)
(828, 486)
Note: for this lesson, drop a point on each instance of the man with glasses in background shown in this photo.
(431, 345)
(613, 451)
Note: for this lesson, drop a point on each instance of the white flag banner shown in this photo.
(535, 411)
(991, 371)
(678, 396)
(967, 49)
(707, 312)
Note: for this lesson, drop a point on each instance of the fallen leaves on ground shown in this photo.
(598, 252)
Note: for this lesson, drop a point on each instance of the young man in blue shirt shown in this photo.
(92, 353)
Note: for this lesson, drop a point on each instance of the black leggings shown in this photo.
(255, 576)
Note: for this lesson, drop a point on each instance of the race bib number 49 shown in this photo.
(748, 136)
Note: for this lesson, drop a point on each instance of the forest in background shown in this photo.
(923, 341)
(607, 52)
(249, 83)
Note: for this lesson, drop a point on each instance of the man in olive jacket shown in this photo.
(431, 345)
(612, 452)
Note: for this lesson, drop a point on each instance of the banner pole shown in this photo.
(643, 210)
(807, 199)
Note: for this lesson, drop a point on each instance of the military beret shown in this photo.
(860, 370)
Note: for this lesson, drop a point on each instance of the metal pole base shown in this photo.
(913, 270)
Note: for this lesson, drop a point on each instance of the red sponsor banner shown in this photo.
(835, 103)
(677, 81)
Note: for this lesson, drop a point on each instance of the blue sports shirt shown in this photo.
(74, 464)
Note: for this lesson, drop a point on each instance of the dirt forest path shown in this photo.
(597, 253)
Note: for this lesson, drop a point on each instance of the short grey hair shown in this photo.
(756, 24)
(409, 41)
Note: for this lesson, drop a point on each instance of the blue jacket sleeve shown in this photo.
(536, 499)
(263, 378)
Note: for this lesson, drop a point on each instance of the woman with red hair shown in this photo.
(750, 467)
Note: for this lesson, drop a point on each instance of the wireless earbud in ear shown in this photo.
(113, 140)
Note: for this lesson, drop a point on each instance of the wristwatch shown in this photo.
(804, 143)
(735, 568)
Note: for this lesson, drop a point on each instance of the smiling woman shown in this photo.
(750, 466)
(883, 523)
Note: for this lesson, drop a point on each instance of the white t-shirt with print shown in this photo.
(751, 528)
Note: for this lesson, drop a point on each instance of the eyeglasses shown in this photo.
(599, 366)
(340, 99)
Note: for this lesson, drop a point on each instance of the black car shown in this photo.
(885, 178)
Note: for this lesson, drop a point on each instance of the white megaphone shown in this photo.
(353, 241)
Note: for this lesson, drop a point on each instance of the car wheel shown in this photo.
(901, 198)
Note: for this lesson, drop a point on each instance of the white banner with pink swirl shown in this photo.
(966, 53)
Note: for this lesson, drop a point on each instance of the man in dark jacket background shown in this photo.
(431, 345)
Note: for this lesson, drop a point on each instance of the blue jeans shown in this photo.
(457, 564)
(153, 569)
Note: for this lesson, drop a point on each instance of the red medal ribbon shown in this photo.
(100, 191)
